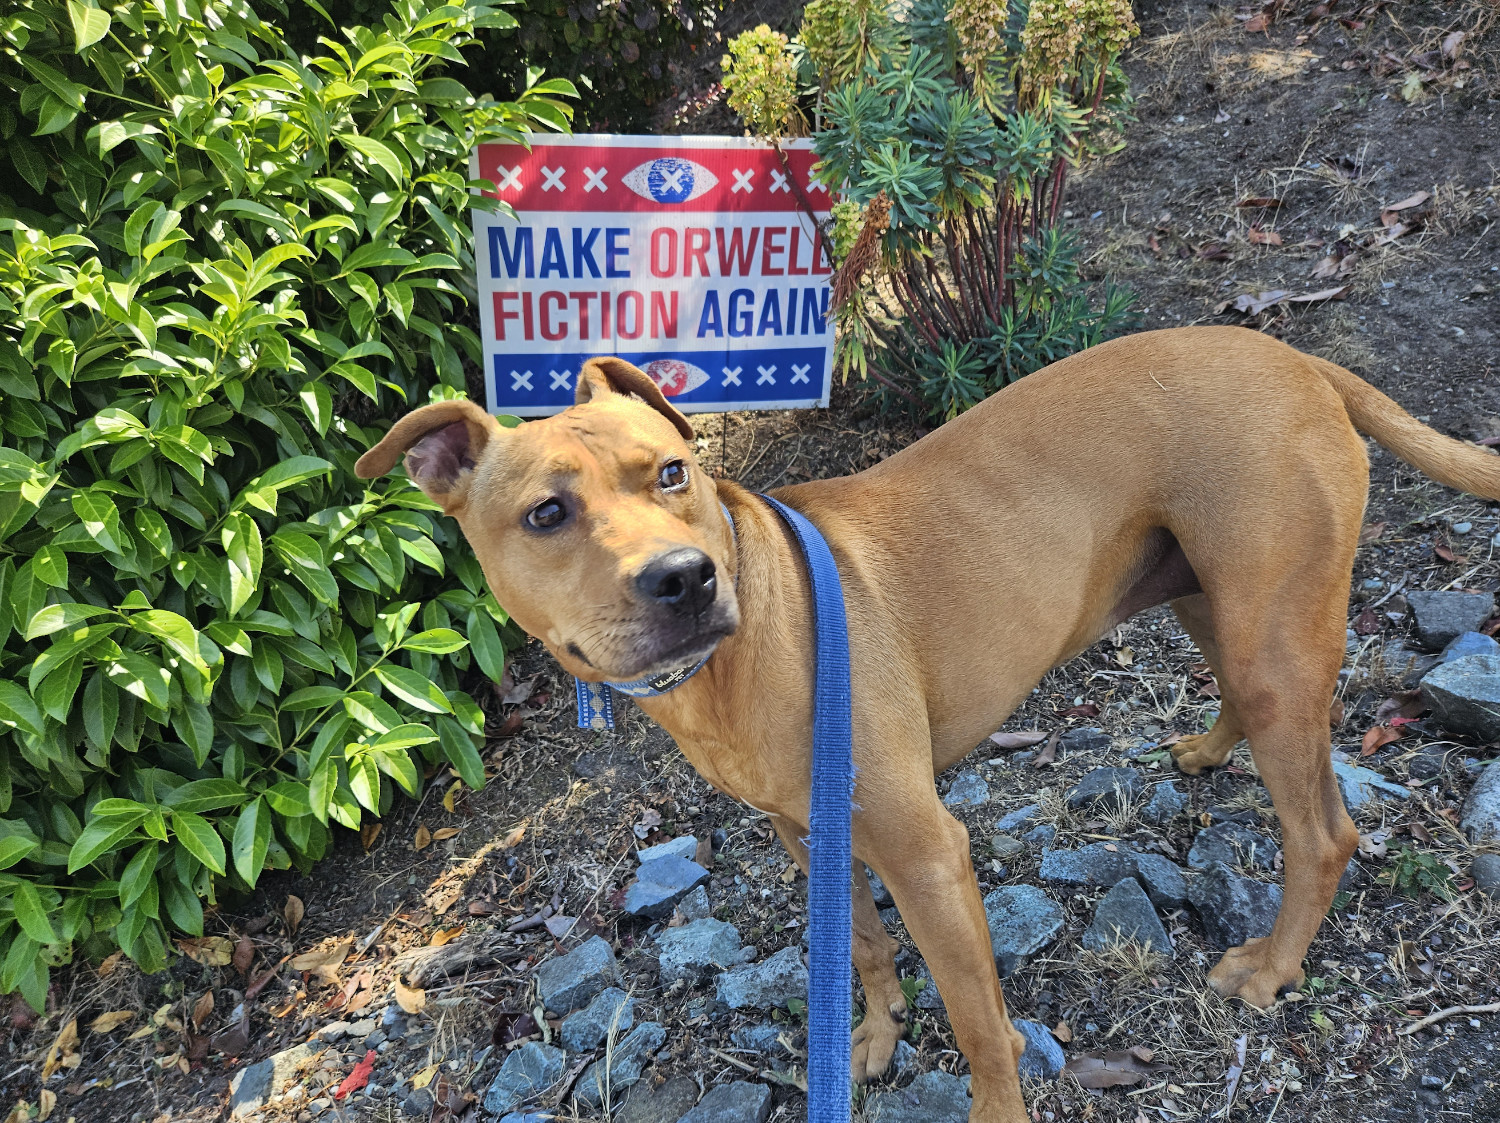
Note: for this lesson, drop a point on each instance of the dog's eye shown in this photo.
(548, 514)
(674, 476)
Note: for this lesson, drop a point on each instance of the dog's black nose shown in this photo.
(682, 580)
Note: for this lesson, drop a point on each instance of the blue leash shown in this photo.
(830, 847)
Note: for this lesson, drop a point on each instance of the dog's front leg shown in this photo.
(925, 863)
(874, 958)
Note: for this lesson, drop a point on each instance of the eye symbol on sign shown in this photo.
(669, 179)
(675, 377)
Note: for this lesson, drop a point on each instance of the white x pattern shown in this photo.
(553, 177)
(767, 374)
(742, 181)
(732, 376)
(520, 380)
(509, 177)
(595, 179)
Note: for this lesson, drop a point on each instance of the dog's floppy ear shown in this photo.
(609, 375)
(442, 443)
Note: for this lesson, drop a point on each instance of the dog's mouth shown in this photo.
(658, 653)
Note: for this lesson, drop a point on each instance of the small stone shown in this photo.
(738, 1102)
(1441, 617)
(375, 1040)
(1126, 913)
(1022, 920)
(1405, 665)
(1165, 804)
(772, 982)
(1106, 788)
(1432, 1080)
(697, 950)
(1234, 844)
(254, 1085)
(333, 1031)
(967, 790)
(1244, 815)
(1464, 695)
(528, 1071)
(695, 905)
(584, 1029)
(928, 997)
(1481, 813)
(1233, 909)
(1041, 835)
(568, 982)
(418, 1104)
(362, 1028)
(1085, 740)
(904, 1061)
(1014, 820)
(526, 1117)
(1470, 643)
(878, 890)
(626, 1059)
(1486, 873)
(764, 1039)
(1043, 1057)
(1427, 764)
(666, 1104)
(659, 884)
(1003, 845)
(933, 1097)
(1361, 787)
(684, 846)
(1103, 863)
(1463, 527)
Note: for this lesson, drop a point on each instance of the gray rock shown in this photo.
(1234, 844)
(1165, 804)
(1362, 786)
(1085, 740)
(695, 905)
(659, 1105)
(528, 1071)
(1464, 695)
(1014, 820)
(630, 1054)
(764, 1039)
(1126, 913)
(1486, 873)
(766, 984)
(1043, 1058)
(1405, 665)
(1096, 865)
(1233, 909)
(1042, 834)
(1022, 920)
(333, 1031)
(659, 884)
(739, 1102)
(1427, 763)
(1003, 845)
(570, 981)
(904, 1061)
(1441, 617)
(362, 1028)
(967, 790)
(1470, 643)
(933, 1097)
(254, 1085)
(526, 1117)
(1481, 814)
(418, 1104)
(1221, 814)
(878, 890)
(1106, 788)
(684, 846)
(695, 951)
(928, 997)
(584, 1029)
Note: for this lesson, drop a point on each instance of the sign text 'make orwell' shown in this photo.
(689, 256)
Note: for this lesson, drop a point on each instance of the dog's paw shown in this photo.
(1204, 750)
(1247, 972)
(875, 1040)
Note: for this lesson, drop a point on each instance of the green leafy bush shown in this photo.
(949, 127)
(220, 261)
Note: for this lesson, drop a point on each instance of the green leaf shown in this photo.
(412, 688)
(484, 639)
(397, 764)
(388, 161)
(200, 839)
(140, 870)
(364, 782)
(288, 798)
(14, 848)
(101, 836)
(55, 617)
(19, 709)
(458, 747)
(252, 834)
(31, 915)
(242, 547)
(205, 795)
(175, 633)
(51, 566)
(89, 25)
(435, 641)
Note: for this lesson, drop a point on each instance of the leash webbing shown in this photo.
(830, 846)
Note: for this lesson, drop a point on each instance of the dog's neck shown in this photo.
(747, 708)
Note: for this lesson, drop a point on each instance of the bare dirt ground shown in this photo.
(1270, 147)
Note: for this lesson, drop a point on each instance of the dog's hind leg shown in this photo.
(874, 958)
(1211, 749)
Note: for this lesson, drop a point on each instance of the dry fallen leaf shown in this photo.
(1018, 740)
(62, 1047)
(1410, 201)
(1048, 754)
(514, 838)
(424, 1077)
(1259, 237)
(410, 999)
(202, 1009)
(292, 912)
(1107, 1070)
(109, 963)
(442, 834)
(1367, 623)
(1370, 532)
(211, 951)
(1406, 704)
(113, 1020)
(244, 954)
(1377, 737)
(1372, 845)
(445, 935)
(368, 833)
(1063, 1032)
(326, 957)
(1261, 201)
(423, 837)
(451, 795)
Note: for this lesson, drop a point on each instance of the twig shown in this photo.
(1430, 1019)
(751, 1069)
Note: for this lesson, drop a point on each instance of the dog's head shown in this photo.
(596, 529)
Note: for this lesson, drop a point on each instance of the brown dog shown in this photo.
(1212, 468)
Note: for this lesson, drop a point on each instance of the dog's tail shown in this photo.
(1451, 462)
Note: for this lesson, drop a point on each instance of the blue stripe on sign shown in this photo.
(548, 380)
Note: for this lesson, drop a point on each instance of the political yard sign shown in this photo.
(690, 257)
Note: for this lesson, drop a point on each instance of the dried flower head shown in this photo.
(1052, 35)
(979, 25)
(822, 33)
(762, 82)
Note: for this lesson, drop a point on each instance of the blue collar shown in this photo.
(596, 704)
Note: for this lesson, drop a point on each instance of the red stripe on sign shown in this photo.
(658, 178)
